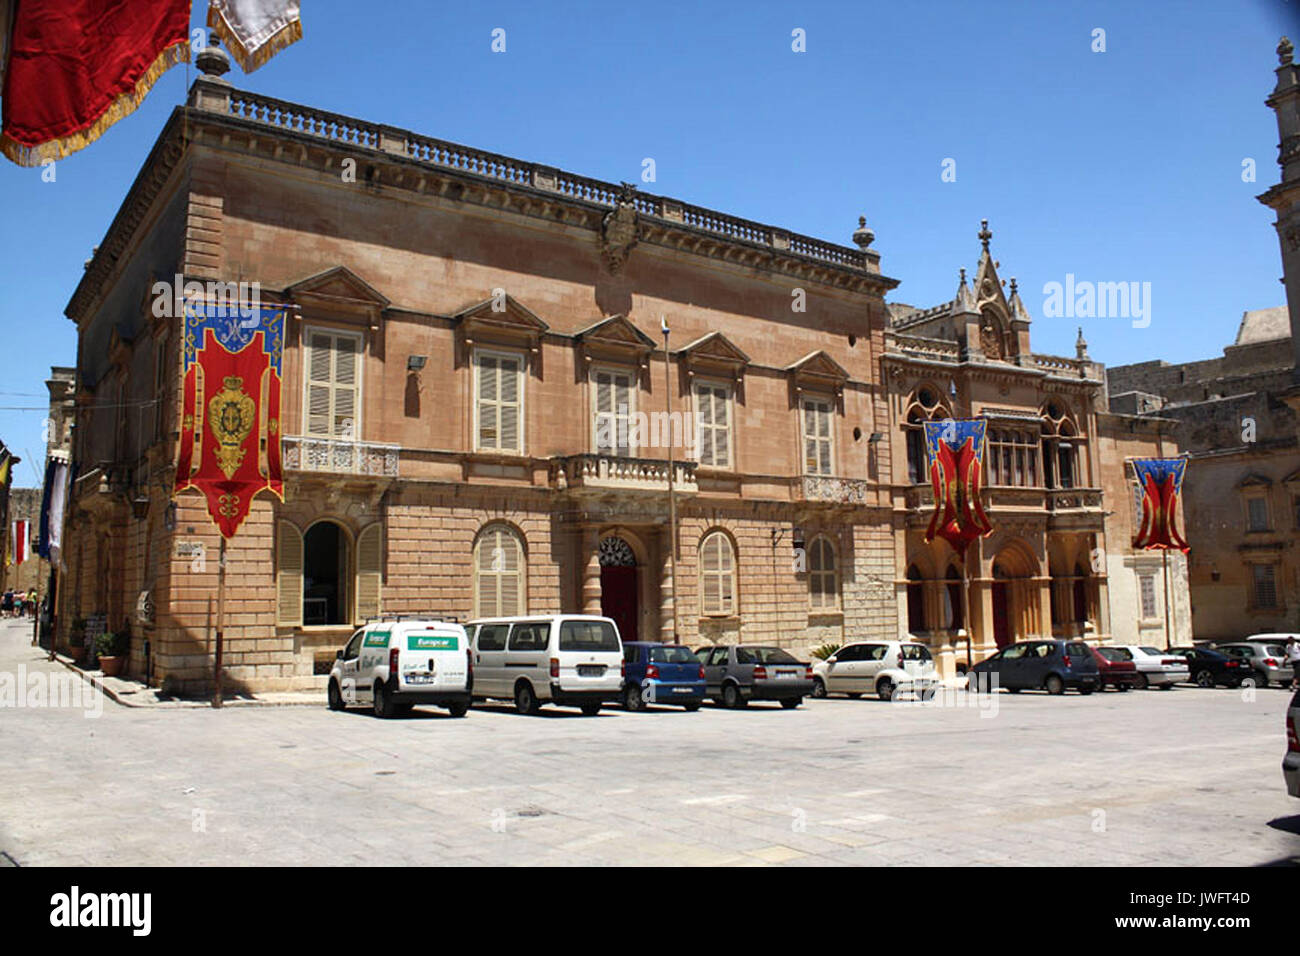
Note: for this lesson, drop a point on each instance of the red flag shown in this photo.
(22, 541)
(76, 67)
(954, 449)
(1160, 481)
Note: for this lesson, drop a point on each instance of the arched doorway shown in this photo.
(325, 575)
(618, 585)
(1015, 597)
(1001, 606)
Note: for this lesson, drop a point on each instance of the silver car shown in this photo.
(1266, 654)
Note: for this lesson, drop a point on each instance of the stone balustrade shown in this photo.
(619, 473)
(339, 456)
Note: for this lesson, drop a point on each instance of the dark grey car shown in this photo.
(739, 673)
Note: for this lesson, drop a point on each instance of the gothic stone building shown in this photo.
(471, 344)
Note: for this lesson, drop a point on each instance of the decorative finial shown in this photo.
(1080, 346)
(1284, 51)
(212, 60)
(963, 275)
(984, 234)
(1013, 285)
(863, 236)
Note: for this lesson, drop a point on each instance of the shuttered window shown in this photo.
(499, 401)
(333, 384)
(370, 558)
(614, 409)
(1147, 591)
(817, 436)
(823, 585)
(1264, 581)
(713, 424)
(499, 573)
(717, 575)
(288, 573)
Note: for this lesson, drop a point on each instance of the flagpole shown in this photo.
(672, 498)
(221, 620)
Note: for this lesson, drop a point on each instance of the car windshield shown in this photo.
(763, 655)
(672, 655)
(588, 636)
(916, 652)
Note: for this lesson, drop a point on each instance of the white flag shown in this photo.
(255, 30)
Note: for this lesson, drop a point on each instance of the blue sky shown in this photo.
(1117, 166)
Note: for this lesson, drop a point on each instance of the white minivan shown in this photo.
(569, 659)
(394, 665)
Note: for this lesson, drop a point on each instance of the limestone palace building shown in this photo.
(473, 345)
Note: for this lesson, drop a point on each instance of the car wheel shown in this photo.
(790, 703)
(632, 697)
(1142, 683)
(731, 698)
(1261, 681)
(383, 704)
(590, 710)
(1054, 685)
(525, 699)
(458, 709)
(1205, 678)
(692, 708)
(335, 696)
(819, 688)
(885, 689)
(1248, 682)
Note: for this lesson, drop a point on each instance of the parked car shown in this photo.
(1156, 668)
(662, 674)
(1052, 665)
(1209, 667)
(739, 673)
(883, 668)
(395, 665)
(574, 660)
(1291, 762)
(1266, 654)
(1116, 667)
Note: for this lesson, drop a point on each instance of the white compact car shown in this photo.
(1157, 668)
(394, 665)
(883, 668)
(569, 659)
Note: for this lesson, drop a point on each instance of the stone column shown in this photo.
(589, 561)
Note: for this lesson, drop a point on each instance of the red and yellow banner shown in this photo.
(1159, 481)
(955, 449)
(230, 419)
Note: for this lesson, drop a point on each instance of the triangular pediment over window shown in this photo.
(1255, 481)
(501, 319)
(615, 337)
(715, 352)
(339, 293)
(817, 370)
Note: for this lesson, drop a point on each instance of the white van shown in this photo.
(394, 665)
(569, 659)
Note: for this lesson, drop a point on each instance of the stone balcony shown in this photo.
(1056, 501)
(604, 473)
(837, 491)
(1074, 499)
(338, 456)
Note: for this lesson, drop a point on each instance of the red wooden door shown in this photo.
(618, 599)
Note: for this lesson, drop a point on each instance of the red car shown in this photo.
(1117, 667)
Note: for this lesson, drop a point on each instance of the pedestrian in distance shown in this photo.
(1293, 660)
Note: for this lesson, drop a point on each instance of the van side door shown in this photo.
(350, 684)
(490, 660)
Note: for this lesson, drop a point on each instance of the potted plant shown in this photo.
(77, 639)
(112, 652)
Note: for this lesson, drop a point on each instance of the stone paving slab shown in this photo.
(1189, 777)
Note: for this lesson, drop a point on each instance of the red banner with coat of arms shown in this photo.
(230, 419)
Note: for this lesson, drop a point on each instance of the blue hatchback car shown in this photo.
(662, 674)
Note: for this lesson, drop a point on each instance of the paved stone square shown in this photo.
(1186, 777)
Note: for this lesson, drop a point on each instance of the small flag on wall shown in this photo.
(955, 451)
(255, 30)
(1159, 481)
(22, 541)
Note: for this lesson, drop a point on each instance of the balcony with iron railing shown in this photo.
(339, 456)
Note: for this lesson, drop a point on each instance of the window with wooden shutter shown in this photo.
(370, 568)
(717, 575)
(823, 584)
(713, 424)
(499, 573)
(333, 383)
(614, 410)
(817, 436)
(498, 401)
(288, 573)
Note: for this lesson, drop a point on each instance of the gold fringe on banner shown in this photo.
(287, 35)
(122, 107)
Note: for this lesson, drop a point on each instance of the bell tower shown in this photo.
(1284, 198)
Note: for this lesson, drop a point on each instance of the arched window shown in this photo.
(922, 406)
(326, 570)
(823, 578)
(1061, 443)
(499, 577)
(916, 623)
(717, 575)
